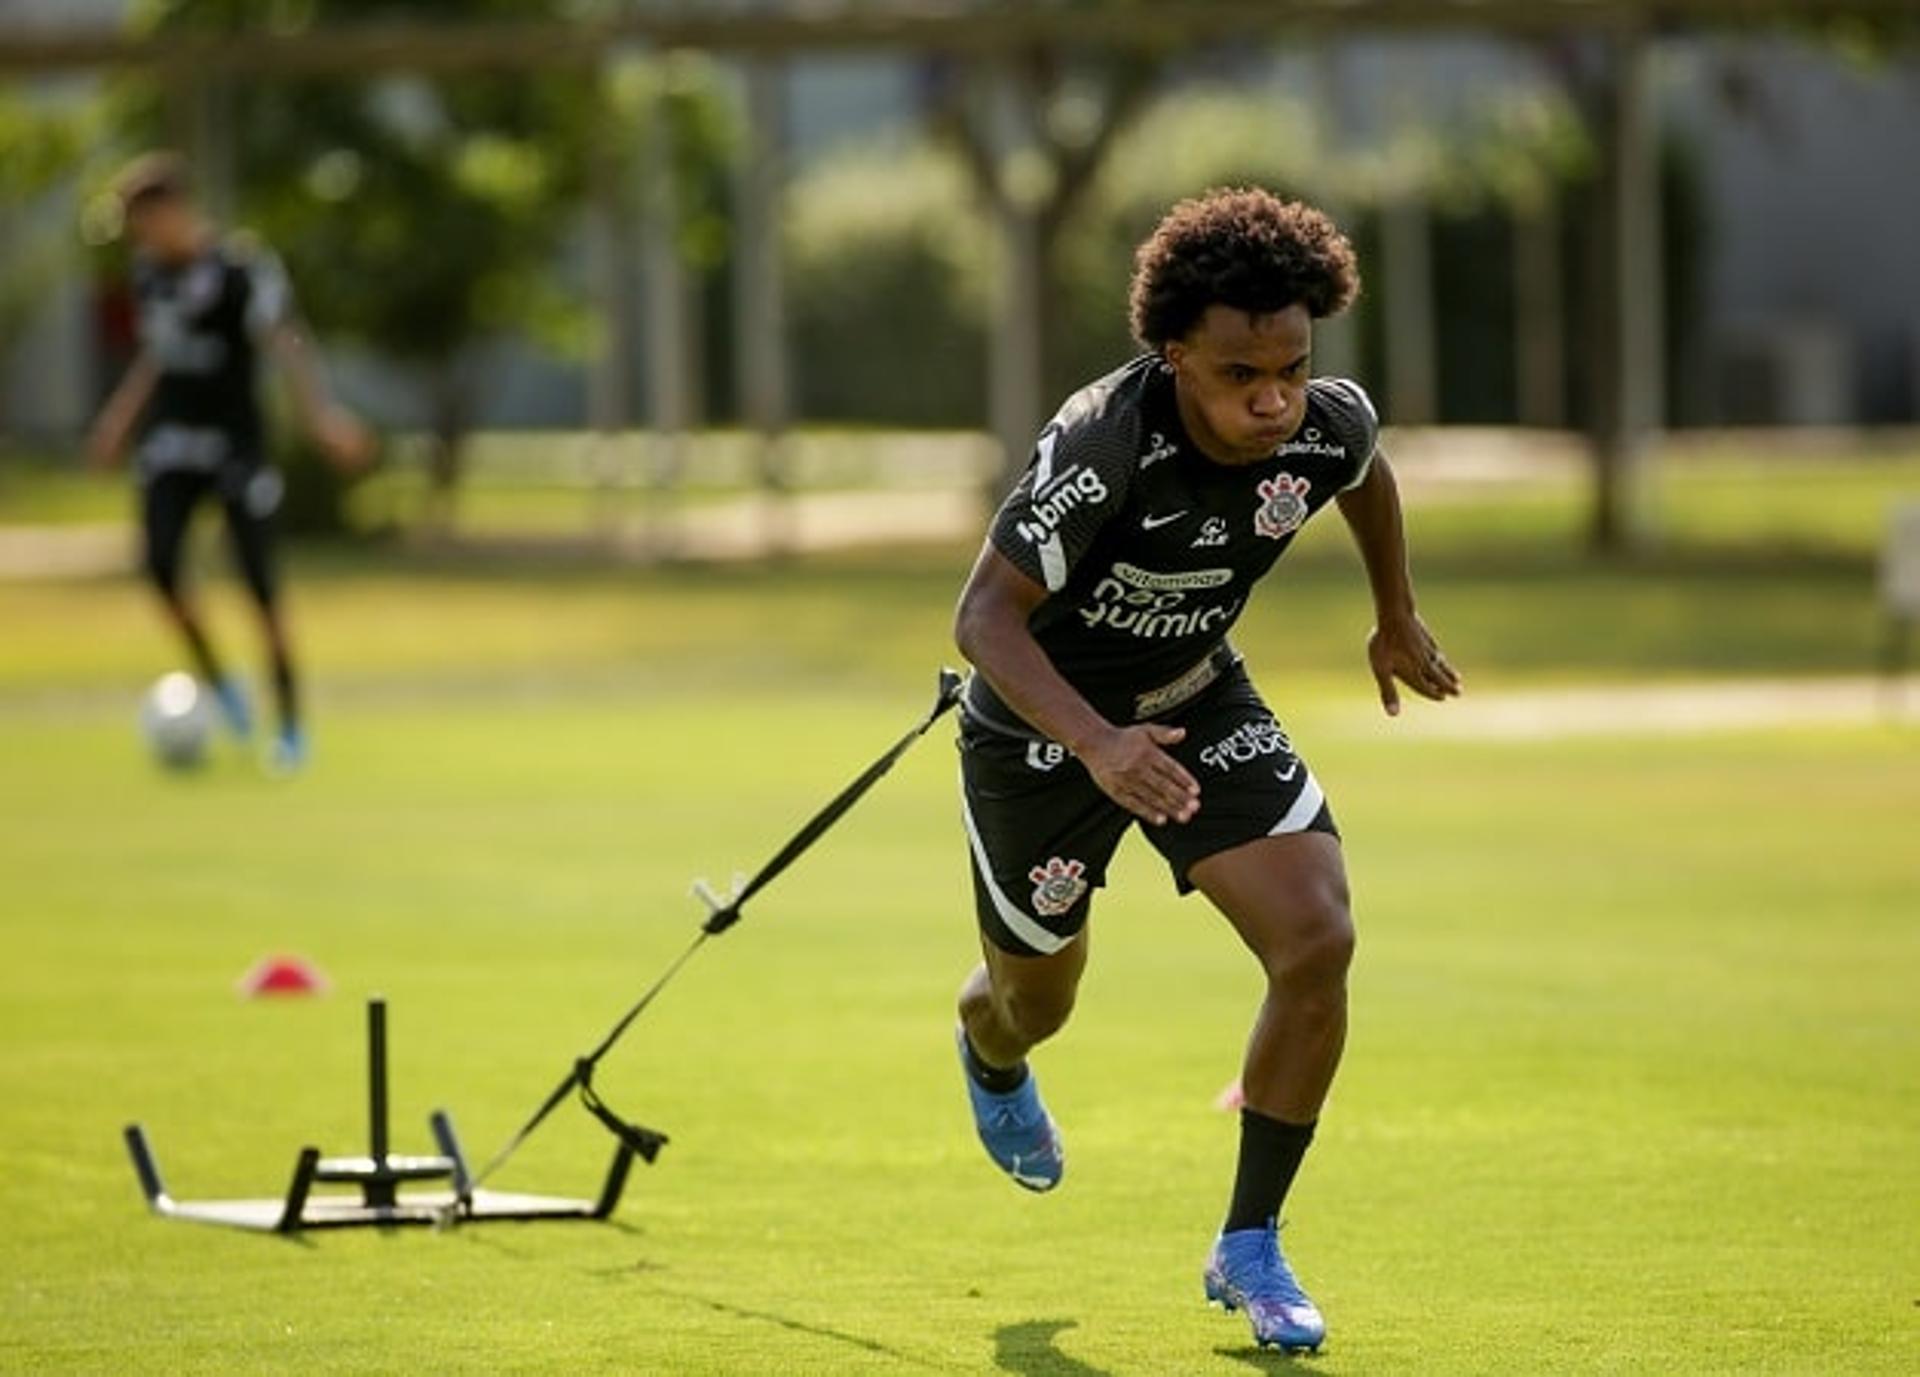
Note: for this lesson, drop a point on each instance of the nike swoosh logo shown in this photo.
(1154, 523)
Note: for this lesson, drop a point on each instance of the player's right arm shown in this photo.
(1126, 762)
(114, 426)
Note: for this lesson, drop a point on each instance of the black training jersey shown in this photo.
(1148, 548)
(202, 324)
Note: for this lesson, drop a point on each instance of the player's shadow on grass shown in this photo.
(1274, 1359)
(819, 1331)
(1029, 1348)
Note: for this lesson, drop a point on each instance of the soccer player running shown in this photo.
(1106, 691)
(208, 308)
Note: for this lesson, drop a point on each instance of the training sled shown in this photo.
(380, 1176)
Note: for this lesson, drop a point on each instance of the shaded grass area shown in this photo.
(1716, 497)
(1765, 569)
(1634, 1036)
(868, 619)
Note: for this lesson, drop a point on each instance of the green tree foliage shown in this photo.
(1502, 157)
(42, 143)
(888, 255)
(891, 252)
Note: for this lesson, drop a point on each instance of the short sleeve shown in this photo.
(1353, 420)
(269, 293)
(1074, 484)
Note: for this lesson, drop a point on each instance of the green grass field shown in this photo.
(1634, 1083)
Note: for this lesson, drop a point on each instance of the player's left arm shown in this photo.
(1400, 647)
(273, 321)
(334, 429)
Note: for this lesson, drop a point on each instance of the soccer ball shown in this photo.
(176, 717)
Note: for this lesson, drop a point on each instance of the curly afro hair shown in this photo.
(1239, 247)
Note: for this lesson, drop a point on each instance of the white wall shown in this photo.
(1814, 193)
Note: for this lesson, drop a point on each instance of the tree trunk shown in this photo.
(1629, 284)
(1539, 315)
(610, 391)
(1016, 363)
(1031, 182)
(1413, 369)
(667, 346)
(450, 422)
(765, 386)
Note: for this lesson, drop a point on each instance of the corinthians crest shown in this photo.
(1283, 506)
(1058, 886)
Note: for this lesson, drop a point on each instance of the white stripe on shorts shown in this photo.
(1304, 810)
(1018, 923)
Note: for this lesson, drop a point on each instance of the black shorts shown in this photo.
(1041, 832)
(249, 495)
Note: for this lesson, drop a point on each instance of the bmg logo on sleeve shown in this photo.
(1075, 488)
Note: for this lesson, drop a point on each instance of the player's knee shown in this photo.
(1314, 958)
(1330, 950)
(1035, 1014)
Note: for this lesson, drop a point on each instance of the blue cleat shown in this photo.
(231, 695)
(289, 750)
(1246, 1272)
(1016, 1130)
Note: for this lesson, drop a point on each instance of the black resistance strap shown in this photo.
(647, 1142)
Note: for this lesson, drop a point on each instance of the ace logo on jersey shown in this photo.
(1058, 886)
(1283, 506)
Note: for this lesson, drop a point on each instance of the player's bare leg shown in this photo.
(290, 743)
(250, 537)
(1287, 898)
(186, 620)
(1008, 1005)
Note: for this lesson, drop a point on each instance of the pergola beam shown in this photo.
(991, 27)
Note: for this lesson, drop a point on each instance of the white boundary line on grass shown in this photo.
(1670, 709)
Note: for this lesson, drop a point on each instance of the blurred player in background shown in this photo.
(1106, 692)
(208, 307)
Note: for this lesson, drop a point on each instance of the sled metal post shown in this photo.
(148, 1170)
(297, 1190)
(616, 1182)
(448, 1142)
(380, 1187)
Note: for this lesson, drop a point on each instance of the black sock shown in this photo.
(1270, 1153)
(204, 659)
(285, 694)
(997, 1080)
